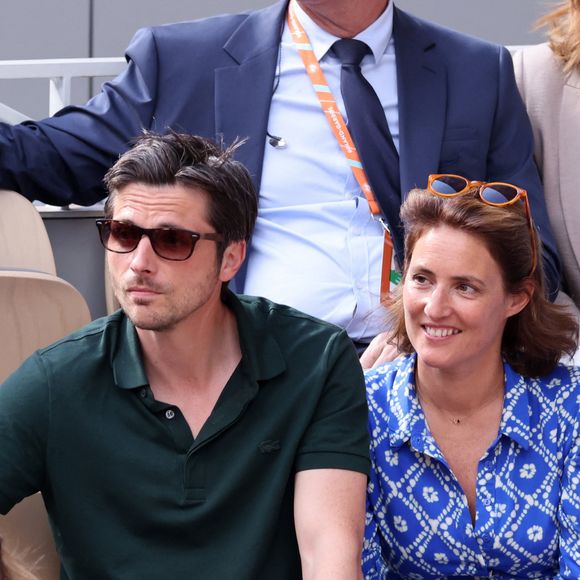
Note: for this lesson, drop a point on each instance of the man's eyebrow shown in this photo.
(163, 225)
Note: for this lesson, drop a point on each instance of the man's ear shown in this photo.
(232, 260)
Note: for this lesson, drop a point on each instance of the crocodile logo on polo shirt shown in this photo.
(269, 446)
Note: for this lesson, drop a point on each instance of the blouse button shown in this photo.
(169, 414)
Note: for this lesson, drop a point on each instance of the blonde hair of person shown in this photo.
(563, 25)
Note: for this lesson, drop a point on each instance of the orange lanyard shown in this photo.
(344, 139)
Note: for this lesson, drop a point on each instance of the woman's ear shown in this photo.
(519, 299)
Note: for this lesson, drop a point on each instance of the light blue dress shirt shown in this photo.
(316, 246)
(528, 485)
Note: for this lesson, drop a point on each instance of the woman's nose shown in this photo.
(437, 305)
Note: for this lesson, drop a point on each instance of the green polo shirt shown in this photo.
(132, 495)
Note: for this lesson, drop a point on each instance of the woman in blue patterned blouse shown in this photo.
(476, 428)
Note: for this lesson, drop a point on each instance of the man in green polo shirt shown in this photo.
(192, 434)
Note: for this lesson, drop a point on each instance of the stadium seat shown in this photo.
(24, 243)
(36, 309)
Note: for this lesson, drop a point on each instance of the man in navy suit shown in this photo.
(450, 101)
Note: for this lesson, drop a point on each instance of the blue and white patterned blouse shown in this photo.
(528, 485)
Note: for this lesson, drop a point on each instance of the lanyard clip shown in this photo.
(385, 225)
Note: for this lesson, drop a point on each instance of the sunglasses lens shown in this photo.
(168, 243)
(173, 244)
(448, 184)
(120, 237)
(499, 193)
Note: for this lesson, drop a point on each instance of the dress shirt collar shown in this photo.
(377, 36)
(407, 422)
(515, 417)
(405, 416)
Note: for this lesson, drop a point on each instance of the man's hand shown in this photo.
(378, 352)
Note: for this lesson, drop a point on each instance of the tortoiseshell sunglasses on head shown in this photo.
(494, 193)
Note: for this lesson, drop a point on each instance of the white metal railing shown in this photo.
(60, 73)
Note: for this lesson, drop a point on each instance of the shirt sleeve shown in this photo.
(63, 159)
(24, 419)
(373, 563)
(337, 436)
(569, 508)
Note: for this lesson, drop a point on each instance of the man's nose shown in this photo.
(143, 256)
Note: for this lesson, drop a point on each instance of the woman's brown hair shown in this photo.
(533, 340)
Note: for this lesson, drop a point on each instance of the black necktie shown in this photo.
(369, 129)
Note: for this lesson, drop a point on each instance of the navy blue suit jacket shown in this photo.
(459, 110)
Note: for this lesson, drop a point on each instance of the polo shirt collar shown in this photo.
(127, 359)
(377, 36)
(261, 355)
(261, 360)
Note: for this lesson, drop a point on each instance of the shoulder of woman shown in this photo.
(534, 63)
(389, 381)
(560, 388)
(388, 372)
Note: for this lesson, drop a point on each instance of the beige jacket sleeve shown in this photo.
(552, 99)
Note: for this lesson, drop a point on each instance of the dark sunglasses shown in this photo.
(168, 243)
(496, 194)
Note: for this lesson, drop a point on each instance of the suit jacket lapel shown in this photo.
(244, 90)
(422, 93)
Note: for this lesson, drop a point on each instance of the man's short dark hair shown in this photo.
(196, 162)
